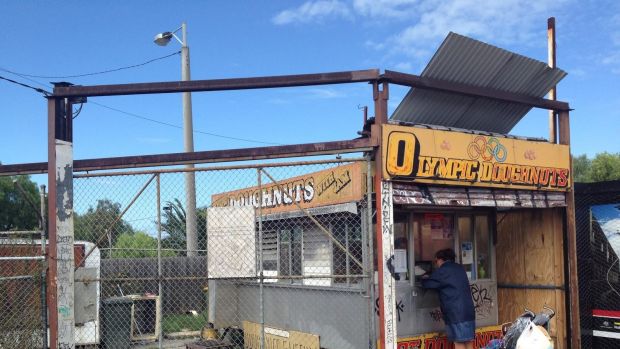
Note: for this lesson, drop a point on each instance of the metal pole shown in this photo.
(52, 110)
(260, 263)
(188, 140)
(161, 300)
(553, 93)
(370, 259)
(384, 232)
(43, 227)
(573, 292)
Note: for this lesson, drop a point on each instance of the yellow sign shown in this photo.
(336, 185)
(276, 338)
(435, 340)
(456, 158)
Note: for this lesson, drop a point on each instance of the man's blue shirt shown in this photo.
(452, 283)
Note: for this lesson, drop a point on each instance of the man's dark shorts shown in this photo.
(461, 331)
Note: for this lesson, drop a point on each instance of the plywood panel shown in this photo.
(510, 256)
(558, 246)
(529, 251)
(539, 229)
(511, 303)
(539, 268)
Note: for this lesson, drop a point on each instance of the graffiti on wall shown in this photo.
(436, 315)
(400, 307)
(439, 341)
(389, 289)
(483, 300)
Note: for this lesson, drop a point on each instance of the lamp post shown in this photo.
(163, 39)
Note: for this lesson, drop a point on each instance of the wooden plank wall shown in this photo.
(529, 251)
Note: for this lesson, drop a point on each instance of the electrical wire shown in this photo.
(180, 127)
(90, 74)
(26, 77)
(40, 90)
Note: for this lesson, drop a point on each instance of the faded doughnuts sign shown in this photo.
(456, 158)
(332, 186)
(483, 337)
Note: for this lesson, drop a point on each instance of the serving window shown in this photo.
(297, 247)
(418, 236)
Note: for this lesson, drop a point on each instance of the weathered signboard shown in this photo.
(333, 186)
(276, 338)
(467, 159)
(483, 336)
(231, 238)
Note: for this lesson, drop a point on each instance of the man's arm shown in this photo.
(434, 281)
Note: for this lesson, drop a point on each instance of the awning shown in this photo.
(423, 195)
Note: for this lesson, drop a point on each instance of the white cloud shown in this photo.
(611, 227)
(403, 66)
(505, 21)
(153, 140)
(313, 11)
(324, 93)
(374, 45)
(385, 8)
(577, 72)
(612, 58)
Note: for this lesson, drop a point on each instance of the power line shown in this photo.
(40, 90)
(90, 74)
(180, 127)
(26, 77)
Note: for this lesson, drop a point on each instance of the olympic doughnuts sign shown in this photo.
(458, 158)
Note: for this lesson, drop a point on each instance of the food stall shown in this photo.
(496, 200)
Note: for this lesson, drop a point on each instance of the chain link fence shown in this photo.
(22, 290)
(282, 258)
(598, 250)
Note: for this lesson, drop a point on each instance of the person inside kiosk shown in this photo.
(456, 304)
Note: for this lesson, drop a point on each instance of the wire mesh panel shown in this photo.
(282, 258)
(22, 290)
(598, 251)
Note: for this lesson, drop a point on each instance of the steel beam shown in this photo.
(219, 84)
(571, 238)
(272, 152)
(469, 90)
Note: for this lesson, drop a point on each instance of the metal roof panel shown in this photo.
(465, 60)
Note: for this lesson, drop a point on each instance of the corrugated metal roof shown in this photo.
(465, 60)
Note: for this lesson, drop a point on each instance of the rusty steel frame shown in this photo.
(222, 168)
(60, 127)
(344, 77)
(202, 157)
(470, 90)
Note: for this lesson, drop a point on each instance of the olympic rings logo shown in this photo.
(487, 149)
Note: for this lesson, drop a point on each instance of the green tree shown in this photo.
(101, 224)
(15, 211)
(173, 225)
(581, 168)
(137, 245)
(604, 167)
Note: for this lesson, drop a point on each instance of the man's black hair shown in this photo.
(446, 255)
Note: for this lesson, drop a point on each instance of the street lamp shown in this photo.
(162, 39)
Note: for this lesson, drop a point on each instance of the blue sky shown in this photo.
(239, 39)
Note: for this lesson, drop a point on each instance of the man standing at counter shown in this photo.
(456, 303)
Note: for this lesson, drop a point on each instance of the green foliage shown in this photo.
(15, 212)
(581, 168)
(137, 245)
(101, 224)
(173, 225)
(604, 167)
(183, 322)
